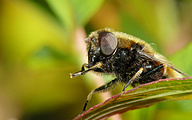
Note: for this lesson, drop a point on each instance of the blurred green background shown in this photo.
(42, 41)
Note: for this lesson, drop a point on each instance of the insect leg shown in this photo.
(135, 77)
(83, 71)
(102, 88)
(153, 71)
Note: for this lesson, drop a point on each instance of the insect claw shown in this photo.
(72, 75)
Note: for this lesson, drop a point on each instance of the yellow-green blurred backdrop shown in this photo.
(42, 41)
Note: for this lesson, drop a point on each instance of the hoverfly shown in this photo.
(131, 60)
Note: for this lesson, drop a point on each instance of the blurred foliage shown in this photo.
(38, 50)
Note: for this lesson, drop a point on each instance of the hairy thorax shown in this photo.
(126, 62)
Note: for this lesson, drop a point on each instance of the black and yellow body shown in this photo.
(131, 60)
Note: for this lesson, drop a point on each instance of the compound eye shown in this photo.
(108, 43)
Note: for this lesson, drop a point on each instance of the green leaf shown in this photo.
(63, 9)
(48, 56)
(85, 9)
(142, 96)
(75, 12)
